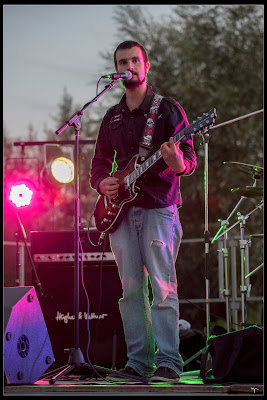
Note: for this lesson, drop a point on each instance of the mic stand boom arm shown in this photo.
(76, 116)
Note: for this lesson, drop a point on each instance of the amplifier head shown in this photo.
(46, 242)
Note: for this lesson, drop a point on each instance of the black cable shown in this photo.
(88, 311)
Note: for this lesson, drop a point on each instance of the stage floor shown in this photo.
(190, 384)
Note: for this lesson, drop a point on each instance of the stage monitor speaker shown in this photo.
(103, 286)
(27, 348)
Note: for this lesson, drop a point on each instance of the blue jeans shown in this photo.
(146, 244)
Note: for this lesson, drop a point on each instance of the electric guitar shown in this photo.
(109, 213)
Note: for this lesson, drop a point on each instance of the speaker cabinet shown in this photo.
(46, 242)
(27, 348)
(102, 283)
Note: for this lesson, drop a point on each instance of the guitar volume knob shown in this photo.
(111, 213)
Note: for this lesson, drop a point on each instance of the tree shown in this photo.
(204, 56)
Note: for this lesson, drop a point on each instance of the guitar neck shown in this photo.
(202, 123)
(141, 169)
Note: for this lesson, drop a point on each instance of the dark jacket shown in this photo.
(119, 136)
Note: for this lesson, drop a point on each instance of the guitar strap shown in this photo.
(145, 145)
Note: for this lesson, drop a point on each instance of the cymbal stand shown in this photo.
(243, 288)
(256, 269)
(226, 222)
(226, 290)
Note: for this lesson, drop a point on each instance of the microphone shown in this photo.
(124, 75)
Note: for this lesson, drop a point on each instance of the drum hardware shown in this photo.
(226, 222)
(255, 192)
(256, 236)
(252, 272)
(243, 288)
(206, 234)
(246, 217)
(250, 191)
(255, 171)
(226, 291)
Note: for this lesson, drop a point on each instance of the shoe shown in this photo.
(128, 371)
(165, 374)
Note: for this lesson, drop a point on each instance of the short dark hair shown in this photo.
(128, 44)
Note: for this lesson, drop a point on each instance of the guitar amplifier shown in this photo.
(58, 247)
(53, 255)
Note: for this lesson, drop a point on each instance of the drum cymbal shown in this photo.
(257, 172)
(250, 191)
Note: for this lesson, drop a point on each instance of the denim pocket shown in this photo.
(167, 211)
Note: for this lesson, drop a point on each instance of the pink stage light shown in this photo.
(20, 195)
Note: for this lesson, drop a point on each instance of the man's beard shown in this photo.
(133, 84)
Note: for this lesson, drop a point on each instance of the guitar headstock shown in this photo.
(203, 123)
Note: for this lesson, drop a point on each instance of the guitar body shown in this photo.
(109, 213)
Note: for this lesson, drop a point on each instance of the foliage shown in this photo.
(204, 56)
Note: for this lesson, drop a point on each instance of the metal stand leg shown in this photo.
(227, 293)
(244, 258)
(234, 303)
(243, 287)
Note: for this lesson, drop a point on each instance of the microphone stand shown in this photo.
(206, 139)
(76, 358)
